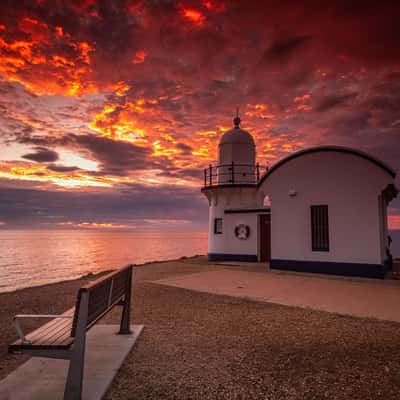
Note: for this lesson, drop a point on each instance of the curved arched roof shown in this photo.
(318, 149)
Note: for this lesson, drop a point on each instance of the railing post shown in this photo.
(258, 171)
(205, 177)
(232, 173)
(210, 177)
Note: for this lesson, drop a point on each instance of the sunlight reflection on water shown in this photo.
(31, 258)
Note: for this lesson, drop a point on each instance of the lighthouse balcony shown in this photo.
(233, 174)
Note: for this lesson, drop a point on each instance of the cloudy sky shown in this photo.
(110, 109)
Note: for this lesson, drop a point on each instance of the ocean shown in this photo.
(32, 258)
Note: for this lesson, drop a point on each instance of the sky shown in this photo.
(110, 110)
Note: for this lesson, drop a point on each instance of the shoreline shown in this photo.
(200, 345)
(95, 275)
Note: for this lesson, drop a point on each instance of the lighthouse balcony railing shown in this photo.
(233, 173)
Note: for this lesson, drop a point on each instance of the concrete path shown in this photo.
(363, 298)
(44, 378)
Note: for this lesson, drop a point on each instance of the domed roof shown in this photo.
(237, 135)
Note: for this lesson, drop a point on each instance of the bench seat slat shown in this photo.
(54, 334)
(62, 330)
(49, 328)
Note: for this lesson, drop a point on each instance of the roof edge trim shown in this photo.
(338, 149)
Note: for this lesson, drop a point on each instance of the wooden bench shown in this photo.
(65, 335)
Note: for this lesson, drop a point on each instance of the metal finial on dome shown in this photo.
(236, 120)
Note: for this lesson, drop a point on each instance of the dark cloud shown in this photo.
(42, 155)
(328, 102)
(282, 49)
(61, 168)
(186, 149)
(124, 205)
(115, 157)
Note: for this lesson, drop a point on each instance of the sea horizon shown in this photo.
(33, 257)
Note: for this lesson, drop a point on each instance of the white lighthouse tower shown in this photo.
(231, 190)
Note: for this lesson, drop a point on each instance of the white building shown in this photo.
(327, 209)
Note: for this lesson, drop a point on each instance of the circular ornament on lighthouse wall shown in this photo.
(242, 231)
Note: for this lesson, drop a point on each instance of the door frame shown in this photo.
(259, 244)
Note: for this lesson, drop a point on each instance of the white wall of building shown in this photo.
(233, 198)
(349, 185)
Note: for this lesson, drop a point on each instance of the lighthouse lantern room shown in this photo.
(236, 162)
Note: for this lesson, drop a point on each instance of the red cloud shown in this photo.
(140, 56)
(78, 78)
(192, 15)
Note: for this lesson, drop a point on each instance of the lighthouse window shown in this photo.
(319, 228)
(218, 225)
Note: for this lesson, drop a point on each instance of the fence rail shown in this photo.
(233, 173)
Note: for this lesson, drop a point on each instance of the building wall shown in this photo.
(233, 198)
(349, 185)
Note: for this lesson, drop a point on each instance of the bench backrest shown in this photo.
(104, 293)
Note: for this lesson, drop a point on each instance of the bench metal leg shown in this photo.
(73, 387)
(125, 326)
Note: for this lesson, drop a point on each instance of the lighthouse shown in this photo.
(231, 189)
(327, 208)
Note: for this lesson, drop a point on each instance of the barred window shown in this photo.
(218, 225)
(319, 228)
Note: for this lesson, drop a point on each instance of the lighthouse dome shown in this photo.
(237, 155)
(237, 136)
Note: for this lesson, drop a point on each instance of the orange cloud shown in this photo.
(305, 97)
(120, 88)
(134, 122)
(93, 225)
(259, 111)
(166, 221)
(119, 125)
(34, 63)
(73, 179)
(193, 15)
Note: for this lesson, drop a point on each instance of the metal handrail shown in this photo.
(236, 165)
(235, 176)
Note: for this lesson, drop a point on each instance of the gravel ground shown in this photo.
(202, 346)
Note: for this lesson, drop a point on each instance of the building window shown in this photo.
(218, 225)
(319, 228)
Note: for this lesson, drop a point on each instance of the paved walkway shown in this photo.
(361, 298)
(44, 378)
